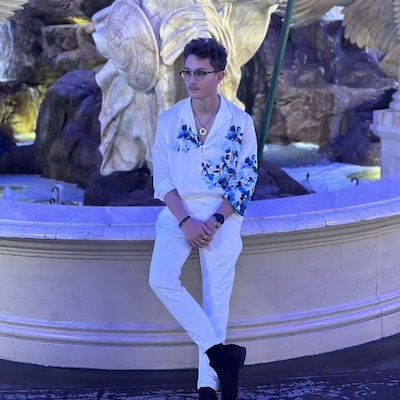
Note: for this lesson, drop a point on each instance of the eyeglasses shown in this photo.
(198, 74)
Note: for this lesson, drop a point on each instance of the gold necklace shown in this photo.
(203, 131)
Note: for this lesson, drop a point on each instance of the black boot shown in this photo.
(206, 393)
(227, 360)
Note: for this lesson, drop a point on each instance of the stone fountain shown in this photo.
(317, 274)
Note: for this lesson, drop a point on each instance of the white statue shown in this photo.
(368, 23)
(8, 7)
(143, 41)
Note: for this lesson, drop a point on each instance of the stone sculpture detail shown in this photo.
(133, 46)
(368, 23)
(8, 7)
(143, 41)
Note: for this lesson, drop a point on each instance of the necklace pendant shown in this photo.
(203, 131)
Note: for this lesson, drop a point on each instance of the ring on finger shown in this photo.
(205, 237)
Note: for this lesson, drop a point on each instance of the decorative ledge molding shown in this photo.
(78, 333)
(317, 273)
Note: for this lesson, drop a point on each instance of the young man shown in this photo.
(205, 171)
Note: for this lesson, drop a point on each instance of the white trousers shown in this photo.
(207, 324)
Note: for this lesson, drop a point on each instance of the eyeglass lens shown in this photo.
(198, 74)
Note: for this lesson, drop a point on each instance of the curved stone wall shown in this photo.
(318, 273)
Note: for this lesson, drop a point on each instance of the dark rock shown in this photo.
(19, 160)
(273, 182)
(54, 10)
(358, 144)
(68, 130)
(15, 159)
(6, 140)
(131, 188)
(90, 7)
(67, 47)
(326, 86)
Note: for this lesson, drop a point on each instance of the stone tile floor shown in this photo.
(365, 372)
(378, 386)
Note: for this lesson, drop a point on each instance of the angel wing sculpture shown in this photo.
(8, 7)
(368, 23)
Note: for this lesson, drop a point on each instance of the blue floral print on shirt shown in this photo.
(238, 181)
(240, 194)
(186, 140)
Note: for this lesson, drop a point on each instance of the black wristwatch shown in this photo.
(219, 217)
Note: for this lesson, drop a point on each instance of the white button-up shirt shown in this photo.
(225, 165)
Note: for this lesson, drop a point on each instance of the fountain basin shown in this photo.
(318, 273)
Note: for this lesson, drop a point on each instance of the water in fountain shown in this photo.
(300, 160)
(36, 189)
(7, 72)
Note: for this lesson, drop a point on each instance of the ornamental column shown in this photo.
(386, 125)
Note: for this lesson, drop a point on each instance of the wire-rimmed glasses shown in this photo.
(198, 74)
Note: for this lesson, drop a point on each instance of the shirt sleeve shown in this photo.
(242, 185)
(161, 167)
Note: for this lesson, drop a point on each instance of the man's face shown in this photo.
(198, 86)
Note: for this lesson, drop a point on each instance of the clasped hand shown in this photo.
(199, 233)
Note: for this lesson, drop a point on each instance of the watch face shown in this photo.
(220, 218)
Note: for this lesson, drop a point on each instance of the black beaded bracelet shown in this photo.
(183, 221)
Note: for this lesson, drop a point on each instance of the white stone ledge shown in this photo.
(352, 205)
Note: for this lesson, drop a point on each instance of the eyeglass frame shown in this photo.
(202, 74)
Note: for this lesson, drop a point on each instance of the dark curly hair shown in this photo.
(207, 48)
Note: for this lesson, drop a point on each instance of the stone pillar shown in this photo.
(386, 125)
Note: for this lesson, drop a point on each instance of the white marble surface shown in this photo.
(378, 199)
(386, 125)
